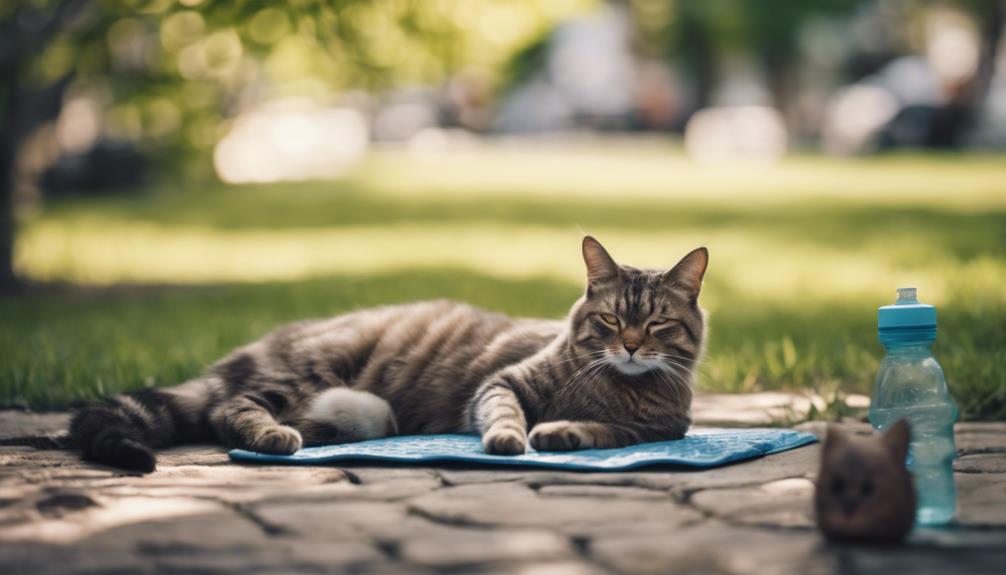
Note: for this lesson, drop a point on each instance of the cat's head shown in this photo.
(864, 491)
(639, 321)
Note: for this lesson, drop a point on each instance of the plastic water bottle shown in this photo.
(910, 385)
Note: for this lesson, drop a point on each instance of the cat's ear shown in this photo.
(689, 271)
(896, 439)
(835, 437)
(600, 266)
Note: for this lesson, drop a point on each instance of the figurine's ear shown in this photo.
(836, 437)
(600, 266)
(896, 439)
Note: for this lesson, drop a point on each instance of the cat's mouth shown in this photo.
(629, 364)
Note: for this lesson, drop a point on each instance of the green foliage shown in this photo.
(169, 73)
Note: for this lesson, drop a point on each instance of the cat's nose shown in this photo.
(631, 347)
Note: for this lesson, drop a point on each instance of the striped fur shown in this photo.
(441, 367)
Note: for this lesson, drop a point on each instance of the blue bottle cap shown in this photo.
(906, 320)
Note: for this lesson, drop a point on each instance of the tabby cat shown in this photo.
(617, 371)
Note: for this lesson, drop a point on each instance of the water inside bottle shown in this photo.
(930, 456)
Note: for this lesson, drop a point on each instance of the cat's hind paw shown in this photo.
(505, 441)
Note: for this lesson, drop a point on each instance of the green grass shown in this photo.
(801, 255)
(66, 345)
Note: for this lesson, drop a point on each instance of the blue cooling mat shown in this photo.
(700, 448)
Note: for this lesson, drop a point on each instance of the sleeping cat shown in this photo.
(616, 371)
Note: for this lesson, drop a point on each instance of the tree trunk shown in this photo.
(24, 112)
(8, 162)
(8, 280)
(780, 72)
(23, 108)
(694, 43)
(968, 97)
(992, 31)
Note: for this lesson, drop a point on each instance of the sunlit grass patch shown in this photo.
(756, 266)
(782, 259)
(629, 173)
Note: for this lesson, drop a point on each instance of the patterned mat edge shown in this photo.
(795, 440)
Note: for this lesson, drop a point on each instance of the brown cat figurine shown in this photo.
(864, 491)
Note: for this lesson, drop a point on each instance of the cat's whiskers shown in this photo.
(588, 372)
(682, 374)
(583, 371)
(681, 357)
(593, 375)
(673, 383)
(670, 360)
(581, 356)
(576, 374)
(678, 369)
(677, 374)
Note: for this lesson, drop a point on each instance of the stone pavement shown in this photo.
(199, 513)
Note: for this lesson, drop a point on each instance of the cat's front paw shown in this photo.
(560, 436)
(280, 440)
(504, 442)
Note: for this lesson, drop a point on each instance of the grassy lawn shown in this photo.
(802, 253)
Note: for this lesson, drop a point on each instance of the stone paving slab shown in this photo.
(200, 513)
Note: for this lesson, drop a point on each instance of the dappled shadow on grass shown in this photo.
(66, 343)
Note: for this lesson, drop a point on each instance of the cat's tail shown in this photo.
(123, 431)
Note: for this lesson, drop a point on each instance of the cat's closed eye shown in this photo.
(609, 319)
(661, 323)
